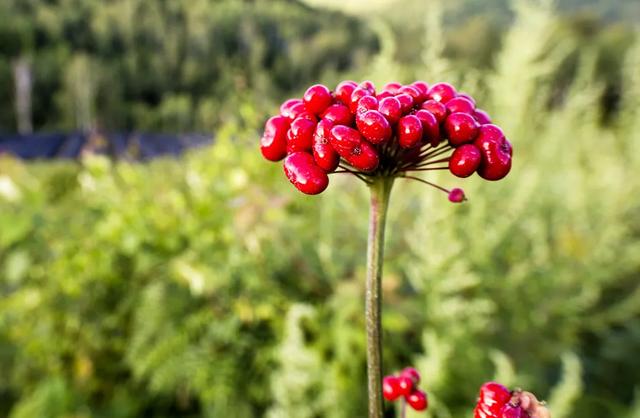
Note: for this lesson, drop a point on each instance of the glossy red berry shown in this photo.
(482, 117)
(461, 128)
(460, 104)
(438, 109)
(456, 195)
(323, 153)
(409, 131)
(465, 160)
(406, 101)
(430, 127)
(338, 114)
(357, 94)
(423, 88)
(468, 97)
(302, 171)
(273, 143)
(442, 92)
(344, 139)
(344, 91)
(392, 87)
(374, 126)
(496, 153)
(317, 98)
(353, 148)
(292, 108)
(418, 400)
(364, 157)
(368, 85)
(300, 135)
(411, 91)
(365, 104)
(412, 374)
(391, 108)
(406, 385)
(494, 397)
(384, 94)
(390, 388)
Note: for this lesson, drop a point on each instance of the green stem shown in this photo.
(380, 191)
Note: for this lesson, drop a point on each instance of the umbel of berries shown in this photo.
(496, 401)
(377, 136)
(404, 386)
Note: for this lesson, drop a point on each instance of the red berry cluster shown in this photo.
(405, 384)
(496, 401)
(400, 129)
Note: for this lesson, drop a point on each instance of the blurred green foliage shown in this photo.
(208, 286)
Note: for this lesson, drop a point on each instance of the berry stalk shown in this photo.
(380, 189)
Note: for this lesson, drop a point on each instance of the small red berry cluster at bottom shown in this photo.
(496, 401)
(405, 384)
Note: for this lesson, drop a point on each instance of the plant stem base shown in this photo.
(380, 190)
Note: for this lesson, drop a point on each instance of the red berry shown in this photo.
(411, 91)
(482, 117)
(373, 126)
(344, 90)
(496, 153)
(461, 128)
(493, 396)
(384, 94)
(368, 85)
(390, 108)
(442, 92)
(304, 174)
(406, 101)
(460, 104)
(468, 97)
(317, 98)
(409, 131)
(364, 157)
(357, 94)
(307, 115)
(390, 388)
(365, 104)
(465, 160)
(418, 400)
(325, 156)
(338, 114)
(392, 87)
(438, 109)
(344, 139)
(292, 108)
(456, 195)
(406, 385)
(300, 135)
(412, 374)
(481, 411)
(430, 127)
(422, 87)
(352, 147)
(273, 143)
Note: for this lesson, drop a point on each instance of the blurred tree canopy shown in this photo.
(188, 65)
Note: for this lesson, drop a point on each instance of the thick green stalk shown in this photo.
(380, 190)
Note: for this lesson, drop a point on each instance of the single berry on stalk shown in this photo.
(465, 160)
(418, 400)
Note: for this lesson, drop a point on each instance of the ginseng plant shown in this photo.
(399, 132)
